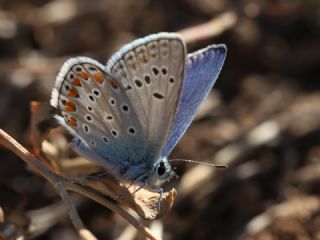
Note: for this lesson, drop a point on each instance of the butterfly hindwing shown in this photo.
(201, 71)
(98, 112)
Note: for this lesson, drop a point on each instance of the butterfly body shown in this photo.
(129, 114)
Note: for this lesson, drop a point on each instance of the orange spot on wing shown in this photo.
(98, 77)
(70, 106)
(113, 84)
(73, 92)
(73, 121)
(84, 75)
(132, 66)
(76, 82)
(144, 58)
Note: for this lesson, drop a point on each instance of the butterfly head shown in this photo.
(161, 172)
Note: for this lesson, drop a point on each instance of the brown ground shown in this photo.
(262, 119)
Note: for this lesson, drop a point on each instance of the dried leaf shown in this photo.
(41, 123)
(143, 202)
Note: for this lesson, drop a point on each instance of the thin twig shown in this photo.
(90, 194)
(210, 29)
(58, 182)
(74, 216)
(62, 184)
(1, 215)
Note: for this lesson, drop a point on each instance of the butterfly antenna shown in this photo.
(197, 162)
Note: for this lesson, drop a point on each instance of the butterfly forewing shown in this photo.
(151, 70)
(99, 113)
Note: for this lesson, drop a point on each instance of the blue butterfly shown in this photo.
(130, 114)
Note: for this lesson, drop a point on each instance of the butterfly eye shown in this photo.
(161, 169)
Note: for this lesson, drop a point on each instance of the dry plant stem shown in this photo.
(62, 184)
(74, 216)
(210, 29)
(58, 182)
(147, 232)
(1, 216)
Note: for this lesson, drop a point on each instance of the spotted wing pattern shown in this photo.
(151, 70)
(121, 114)
(97, 111)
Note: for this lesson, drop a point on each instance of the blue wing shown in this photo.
(202, 70)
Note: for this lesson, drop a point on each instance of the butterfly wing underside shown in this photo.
(121, 114)
(151, 70)
(98, 113)
(201, 71)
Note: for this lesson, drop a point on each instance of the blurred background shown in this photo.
(262, 118)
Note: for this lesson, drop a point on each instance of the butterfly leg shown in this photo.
(130, 184)
(142, 184)
(139, 188)
(97, 175)
(160, 198)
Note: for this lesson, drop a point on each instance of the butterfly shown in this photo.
(129, 114)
